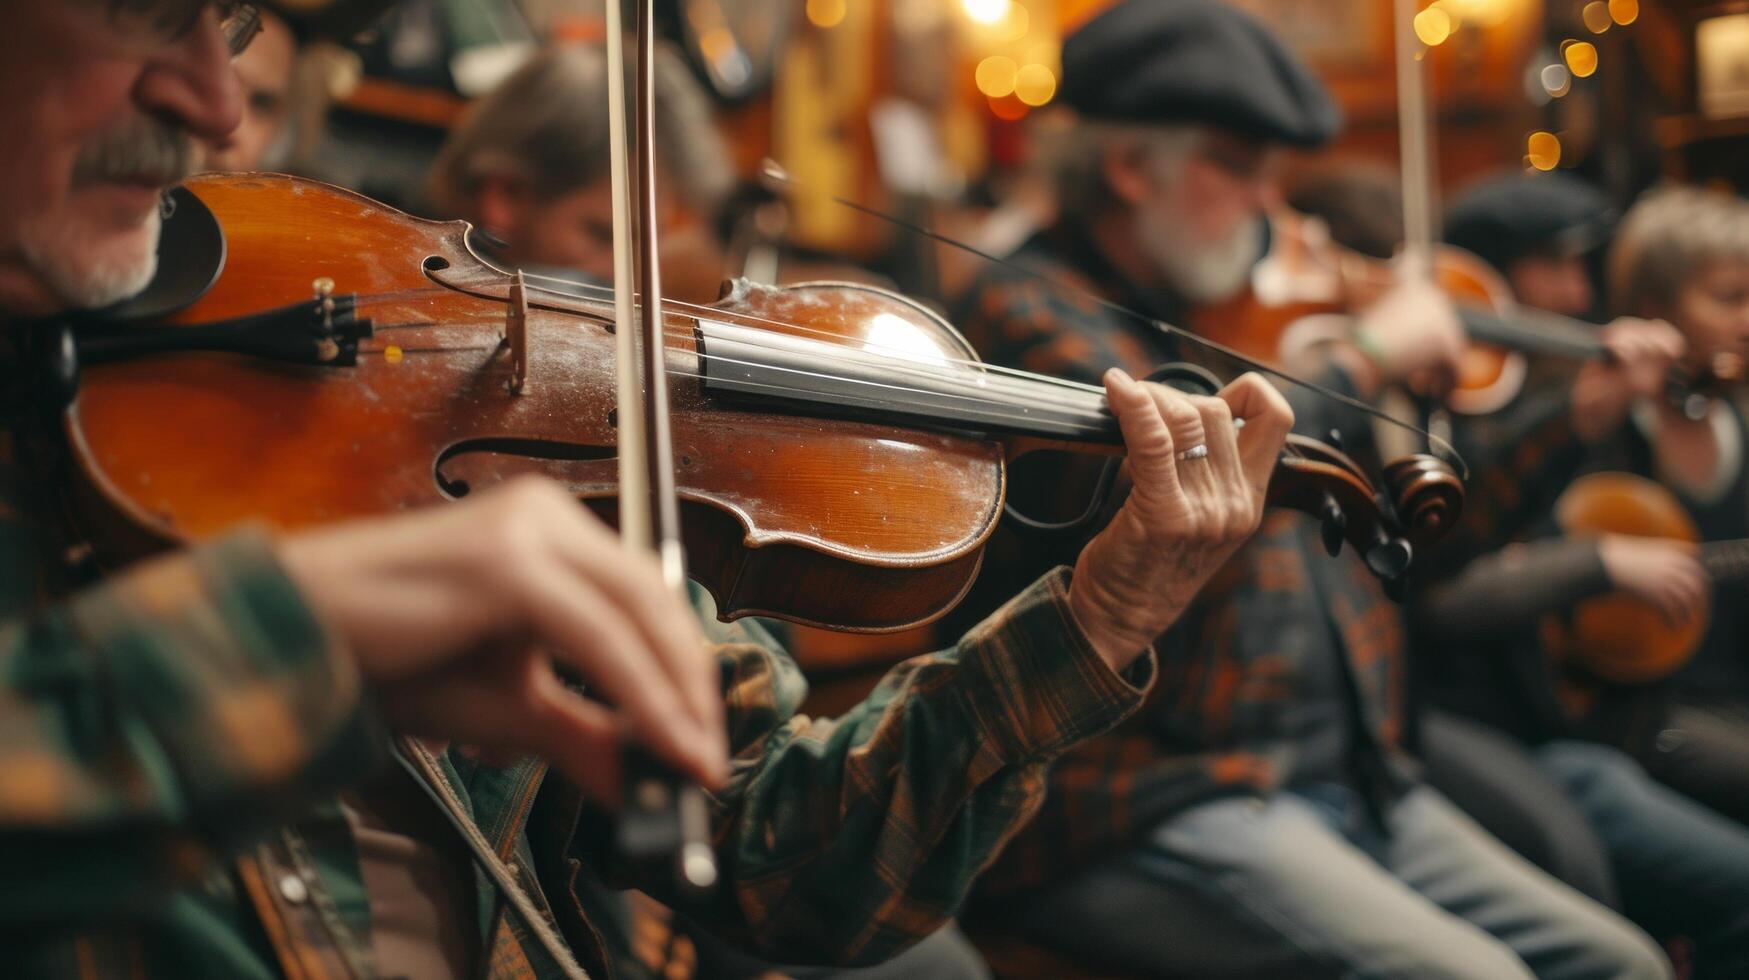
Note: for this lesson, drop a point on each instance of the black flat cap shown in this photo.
(1503, 219)
(1195, 61)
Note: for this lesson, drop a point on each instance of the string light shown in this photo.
(826, 14)
(996, 76)
(1034, 85)
(1543, 150)
(1624, 12)
(1013, 25)
(1581, 58)
(986, 12)
(1433, 26)
(1556, 80)
(1596, 16)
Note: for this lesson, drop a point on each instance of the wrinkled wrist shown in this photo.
(1118, 605)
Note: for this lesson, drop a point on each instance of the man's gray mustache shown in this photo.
(146, 151)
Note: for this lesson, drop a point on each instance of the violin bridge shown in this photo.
(516, 334)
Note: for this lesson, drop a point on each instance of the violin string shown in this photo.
(916, 366)
(738, 317)
(1440, 446)
(778, 390)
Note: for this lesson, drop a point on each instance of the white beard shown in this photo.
(1201, 273)
(87, 277)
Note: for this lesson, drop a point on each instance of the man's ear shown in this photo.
(1125, 169)
(501, 206)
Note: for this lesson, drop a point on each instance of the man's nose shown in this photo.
(192, 82)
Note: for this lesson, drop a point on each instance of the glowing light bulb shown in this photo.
(1557, 80)
(826, 14)
(1596, 16)
(1543, 150)
(1624, 12)
(1034, 85)
(986, 12)
(996, 76)
(1433, 26)
(1581, 58)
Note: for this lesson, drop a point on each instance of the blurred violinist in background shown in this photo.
(1207, 837)
(263, 140)
(528, 165)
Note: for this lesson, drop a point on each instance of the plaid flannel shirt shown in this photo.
(1252, 696)
(157, 730)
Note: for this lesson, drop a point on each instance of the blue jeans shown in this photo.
(1302, 885)
(1683, 868)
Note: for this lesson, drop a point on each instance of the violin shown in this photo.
(1307, 273)
(839, 452)
(1617, 637)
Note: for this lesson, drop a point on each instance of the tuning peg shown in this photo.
(1333, 524)
(1389, 559)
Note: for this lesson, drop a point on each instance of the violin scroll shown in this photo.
(1426, 495)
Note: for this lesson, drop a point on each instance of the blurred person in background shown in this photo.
(1267, 818)
(1538, 231)
(528, 166)
(262, 141)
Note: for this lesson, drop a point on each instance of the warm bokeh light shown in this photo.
(1543, 150)
(1034, 85)
(1433, 26)
(996, 76)
(1481, 13)
(1014, 24)
(1596, 16)
(1556, 80)
(986, 12)
(1581, 58)
(826, 13)
(1008, 108)
(1624, 12)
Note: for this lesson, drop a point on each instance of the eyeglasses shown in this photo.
(155, 22)
(240, 23)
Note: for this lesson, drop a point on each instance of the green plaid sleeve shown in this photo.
(847, 839)
(150, 723)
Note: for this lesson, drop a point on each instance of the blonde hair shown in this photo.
(547, 125)
(1669, 236)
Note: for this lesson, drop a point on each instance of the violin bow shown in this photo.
(665, 818)
(1414, 142)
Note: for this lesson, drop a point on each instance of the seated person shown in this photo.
(1264, 817)
(528, 166)
(195, 748)
(1538, 231)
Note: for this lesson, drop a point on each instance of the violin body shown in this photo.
(849, 524)
(1617, 637)
(839, 454)
(1306, 273)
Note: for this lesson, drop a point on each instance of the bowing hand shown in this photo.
(1199, 487)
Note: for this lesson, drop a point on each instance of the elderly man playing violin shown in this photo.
(192, 749)
(1264, 816)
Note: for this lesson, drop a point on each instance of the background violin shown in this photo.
(839, 453)
(1308, 273)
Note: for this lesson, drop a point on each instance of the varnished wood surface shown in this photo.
(807, 518)
(1618, 637)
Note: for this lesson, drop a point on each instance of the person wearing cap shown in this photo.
(1494, 734)
(194, 749)
(1262, 816)
(1537, 230)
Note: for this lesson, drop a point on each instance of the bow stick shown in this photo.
(664, 818)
